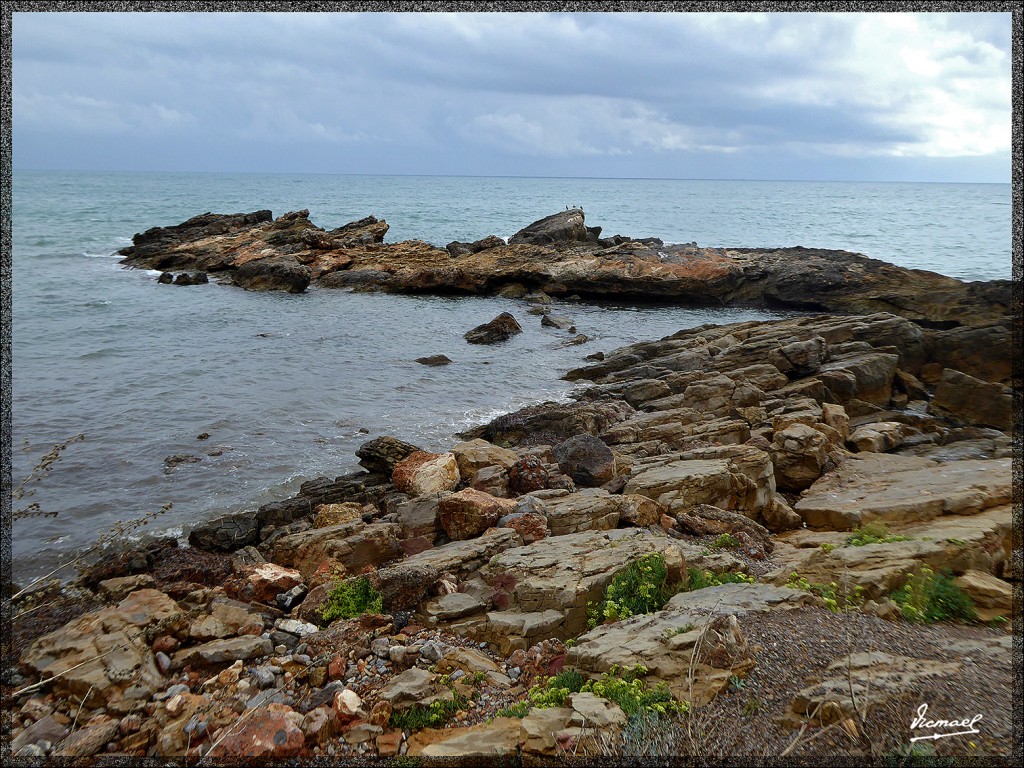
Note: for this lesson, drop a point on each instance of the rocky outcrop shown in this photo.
(563, 256)
(501, 328)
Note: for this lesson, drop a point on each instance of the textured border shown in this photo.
(609, 6)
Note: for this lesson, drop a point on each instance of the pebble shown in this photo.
(456, 675)
(163, 662)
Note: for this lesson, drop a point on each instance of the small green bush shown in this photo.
(620, 686)
(927, 597)
(873, 533)
(520, 710)
(418, 716)
(640, 588)
(835, 599)
(698, 579)
(725, 541)
(351, 598)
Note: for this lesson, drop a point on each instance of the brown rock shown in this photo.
(971, 400)
(469, 513)
(271, 732)
(424, 474)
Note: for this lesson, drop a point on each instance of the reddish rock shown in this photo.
(347, 705)
(270, 732)
(389, 743)
(336, 669)
(415, 545)
(165, 644)
(531, 526)
(527, 474)
(470, 512)
(380, 714)
(268, 581)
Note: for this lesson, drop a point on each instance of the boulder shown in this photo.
(469, 513)
(992, 597)
(552, 423)
(877, 437)
(274, 273)
(226, 533)
(475, 455)
(354, 544)
(798, 454)
(337, 514)
(562, 228)
(425, 474)
(501, 328)
(528, 474)
(973, 401)
(271, 732)
(434, 361)
(492, 741)
(586, 459)
(457, 249)
(382, 454)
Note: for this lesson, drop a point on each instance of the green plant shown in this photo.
(698, 579)
(957, 542)
(873, 533)
(351, 598)
(736, 683)
(725, 541)
(835, 598)
(640, 588)
(827, 548)
(419, 716)
(927, 597)
(624, 687)
(520, 709)
(751, 707)
(678, 630)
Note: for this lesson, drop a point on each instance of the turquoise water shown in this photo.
(287, 387)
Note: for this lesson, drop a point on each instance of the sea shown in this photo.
(285, 388)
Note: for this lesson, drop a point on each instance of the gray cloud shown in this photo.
(555, 94)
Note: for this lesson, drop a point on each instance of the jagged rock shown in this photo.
(799, 453)
(265, 581)
(472, 662)
(992, 597)
(551, 423)
(528, 474)
(115, 590)
(337, 514)
(704, 520)
(475, 455)
(457, 249)
(381, 454)
(973, 401)
(89, 740)
(501, 328)
(419, 517)
(561, 323)
(590, 509)
(531, 527)
(564, 227)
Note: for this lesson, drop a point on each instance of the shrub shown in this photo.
(835, 598)
(725, 541)
(351, 598)
(698, 579)
(873, 533)
(418, 716)
(520, 710)
(927, 597)
(640, 588)
(622, 687)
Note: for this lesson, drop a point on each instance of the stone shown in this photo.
(223, 651)
(551, 423)
(106, 652)
(274, 273)
(354, 544)
(586, 459)
(501, 328)
(592, 711)
(434, 361)
(46, 729)
(992, 597)
(286, 601)
(347, 705)
(486, 741)
(336, 514)
(454, 605)
(115, 590)
(270, 732)
(532, 527)
(537, 731)
(477, 454)
(589, 509)
(527, 474)
(877, 437)
(88, 741)
(424, 474)
(419, 517)
(413, 686)
(897, 489)
(226, 533)
(472, 662)
(382, 454)
(967, 399)
(469, 513)
(268, 580)
(798, 454)
(564, 227)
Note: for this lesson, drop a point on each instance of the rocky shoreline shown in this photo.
(795, 480)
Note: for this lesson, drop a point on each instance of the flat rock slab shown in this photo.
(499, 738)
(901, 489)
(737, 599)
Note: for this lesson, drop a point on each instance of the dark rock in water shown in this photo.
(434, 360)
(586, 459)
(180, 458)
(194, 278)
(166, 278)
(226, 534)
(564, 227)
(551, 423)
(274, 273)
(461, 249)
(598, 356)
(576, 340)
(288, 600)
(358, 279)
(501, 328)
(382, 454)
(527, 474)
(127, 563)
(561, 323)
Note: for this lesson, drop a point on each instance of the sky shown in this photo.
(873, 96)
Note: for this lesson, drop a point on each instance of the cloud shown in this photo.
(427, 87)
